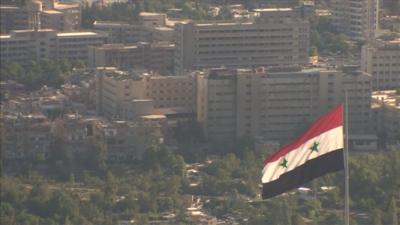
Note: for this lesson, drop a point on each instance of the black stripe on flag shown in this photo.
(327, 163)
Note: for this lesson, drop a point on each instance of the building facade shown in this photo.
(117, 90)
(24, 45)
(359, 19)
(275, 37)
(381, 59)
(150, 27)
(25, 136)
(41, 14)
(13, 18)
(386, 106)
(125, 141)
(277, 104)
(156, 56)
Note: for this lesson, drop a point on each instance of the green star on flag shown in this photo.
(314, 147)
(284, 163)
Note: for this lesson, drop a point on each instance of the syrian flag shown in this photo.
(317, 152)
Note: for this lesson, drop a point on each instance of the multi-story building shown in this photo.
(25, 136)
(117, 90)
(171, 91)
(13, 18)
(277, 104)
(114, 88)
(24, 45)
(41, 14)
(359, 19)
(157, 56)
(386, 106)
(381, 59)
(276, 37)
(358, 86)
(74, 131)
(119, 32)
(125, 141)
(151, 27)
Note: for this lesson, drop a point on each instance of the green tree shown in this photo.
(109, 191)
(377, 217)
(393, 214)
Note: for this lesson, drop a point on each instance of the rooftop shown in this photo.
(52, 12)
(111, 23)
(8, 7)
(390, 98)
(150, 14)
(82, 33)
(153, 117)
(58, 5)
(273, 10)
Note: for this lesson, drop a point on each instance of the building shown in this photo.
(119, 32)
(381, 59)
(41, 14)
(121, 92)
(358, 86)
(279, 103)
(156, 56)
(172, 91)
(275, 37)
(150, 27)
(359, 19)
(74, 131)
(386, 106)
(115, 88)
(125, 141)
(13, 18)
(22, 46)
(151, 19)
(25, 136)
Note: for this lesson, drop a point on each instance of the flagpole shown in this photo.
(346, 162)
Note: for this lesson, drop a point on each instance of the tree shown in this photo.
(377, 217)
(332, 219)
(393, 214)
(246, 143)
(34, 74)
(109, 194)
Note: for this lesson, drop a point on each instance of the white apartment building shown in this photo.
(275, 37)
(359, 19)
(381, 59)
(24, 45)
(277, 104)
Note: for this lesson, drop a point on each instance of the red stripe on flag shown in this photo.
(329, 121)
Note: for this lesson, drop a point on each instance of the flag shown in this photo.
(317, 152)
